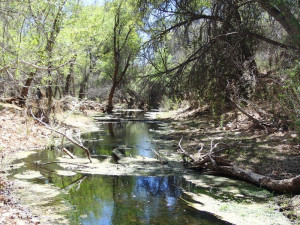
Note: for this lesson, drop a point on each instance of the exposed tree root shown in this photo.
(216, 163)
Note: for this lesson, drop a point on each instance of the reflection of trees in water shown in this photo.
(131, 134)
(125, 200)
(145, 200)
(92, 197)
(157, 186)
(111, 129)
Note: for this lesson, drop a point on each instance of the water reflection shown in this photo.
(133, 137)
(98, 199)
(133, 200)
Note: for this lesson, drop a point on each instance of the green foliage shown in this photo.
(170, 104)
(289, 94)
(199, 51)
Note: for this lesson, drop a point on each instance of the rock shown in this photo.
(117, 154)
(239, 196)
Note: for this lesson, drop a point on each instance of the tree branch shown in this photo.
(32, 65)
(64, 135)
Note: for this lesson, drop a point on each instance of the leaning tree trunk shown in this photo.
(110, 107)
(282, 13)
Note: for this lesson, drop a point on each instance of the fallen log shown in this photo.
(291, 185)
(215, 163)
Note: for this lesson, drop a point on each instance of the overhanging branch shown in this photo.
(31, 65)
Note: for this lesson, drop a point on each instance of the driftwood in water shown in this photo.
(216, 163)
(69, 153)
(159, 157)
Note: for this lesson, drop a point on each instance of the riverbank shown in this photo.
(21, 133)
(193, 128)
(274, 153)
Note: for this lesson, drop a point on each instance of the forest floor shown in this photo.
(276, 153)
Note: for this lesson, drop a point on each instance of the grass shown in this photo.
(224, 208)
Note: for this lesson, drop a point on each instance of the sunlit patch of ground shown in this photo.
(77, 120)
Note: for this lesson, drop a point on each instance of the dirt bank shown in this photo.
(19, 132)
(275, 153)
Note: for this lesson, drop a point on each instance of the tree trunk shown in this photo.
(81, 94)
(83, 87)
(73, 85)
(110, 107)
(281, 12)
(117, 49)
(67, 86)
(25, 89)
(70, 78)
(216, 163)
(248, 68)
(57, 90)
(291, 185)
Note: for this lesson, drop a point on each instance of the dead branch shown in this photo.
(183, 152)
(69, 153)
(5, 68)
(160, 158)
(80, 145)
(255, 121)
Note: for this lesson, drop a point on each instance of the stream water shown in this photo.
(103, 199)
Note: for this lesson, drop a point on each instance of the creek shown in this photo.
(171, 195)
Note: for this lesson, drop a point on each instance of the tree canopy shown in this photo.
(154, 52)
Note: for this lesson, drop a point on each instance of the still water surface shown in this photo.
(98, 199)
